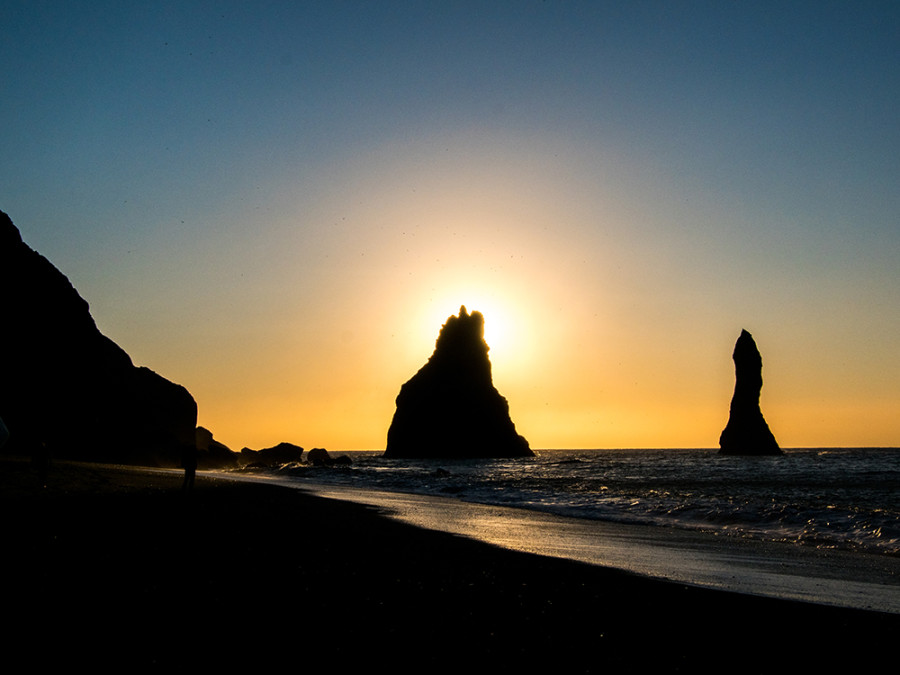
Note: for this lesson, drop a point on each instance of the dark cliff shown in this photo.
(68, 388)
(450, 408)
(747, 432)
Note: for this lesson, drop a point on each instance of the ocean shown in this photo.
(827, 498)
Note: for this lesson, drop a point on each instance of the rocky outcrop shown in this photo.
(283, 453)
(68, 388)
(321, 457)
(747, 432)
(211, 454)
(450, 408)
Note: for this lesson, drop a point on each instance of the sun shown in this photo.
(502, 329)
(494, 329)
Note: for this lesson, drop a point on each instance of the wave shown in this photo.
(843, 498)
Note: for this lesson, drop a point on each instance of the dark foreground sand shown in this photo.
(117, 569)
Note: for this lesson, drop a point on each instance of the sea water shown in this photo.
(828, 498)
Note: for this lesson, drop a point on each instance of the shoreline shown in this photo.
(114, 565)
(851, 579)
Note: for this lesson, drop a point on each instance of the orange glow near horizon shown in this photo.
(278, 207)
(596, 340)
(558, 398)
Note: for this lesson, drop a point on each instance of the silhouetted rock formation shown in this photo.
(450, 408)
(283, 453)
(747, 432)
(211, 454)
(321, 457)
(66, 386)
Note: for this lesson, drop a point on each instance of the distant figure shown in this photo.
(4, 433)
(189, 463)
(40, 459)
(747, 432)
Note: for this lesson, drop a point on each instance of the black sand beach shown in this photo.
(116, 568)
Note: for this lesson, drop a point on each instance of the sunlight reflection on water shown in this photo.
(840, 498)
(763, 568)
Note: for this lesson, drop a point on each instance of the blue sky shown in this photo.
(277, 204)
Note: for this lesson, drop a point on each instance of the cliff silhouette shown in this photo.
(67, 389)
(450, 407)
(747, 432)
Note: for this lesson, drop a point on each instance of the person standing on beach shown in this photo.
(40, 459)
(189, 463)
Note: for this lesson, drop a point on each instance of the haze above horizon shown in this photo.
(278, 205)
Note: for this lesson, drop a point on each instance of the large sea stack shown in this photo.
(747, 432)
(450, 408)
(68, 390)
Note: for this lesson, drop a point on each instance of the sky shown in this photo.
(278, 204)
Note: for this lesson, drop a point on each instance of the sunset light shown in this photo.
(251, 254)
(505, 331)
(286, 241)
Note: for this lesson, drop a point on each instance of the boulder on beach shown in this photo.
(283, 453)
(321, 457)
(747, 432)
(450, 407)
(211, 454)
(66, 387)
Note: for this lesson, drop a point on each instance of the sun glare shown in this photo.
(495, 333)
(502, 330)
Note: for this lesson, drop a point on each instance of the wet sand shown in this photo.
(780, 570)
(116, 568)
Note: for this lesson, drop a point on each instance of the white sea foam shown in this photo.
(840, 498)
(841, 578)
(813, 525)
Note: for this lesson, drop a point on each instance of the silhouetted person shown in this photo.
(189, 463)
(40, 459)
(4, 433)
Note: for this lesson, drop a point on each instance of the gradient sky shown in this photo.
(277, 205)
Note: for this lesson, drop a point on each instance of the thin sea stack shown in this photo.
(747, 432)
